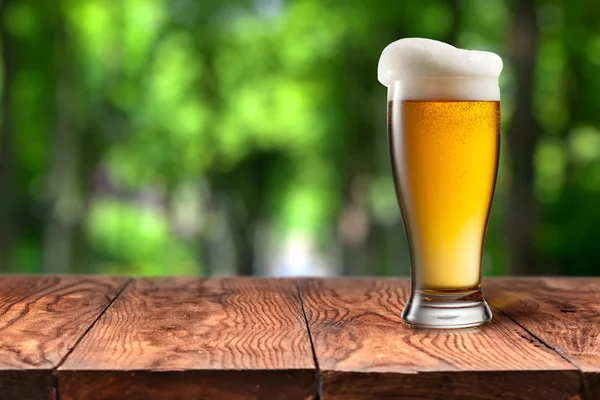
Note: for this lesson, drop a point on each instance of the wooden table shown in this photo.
(242, 338)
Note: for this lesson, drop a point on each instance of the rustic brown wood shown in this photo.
(184, 338)
(41, 319)
(187, 385)
(245, 338)
(364, 351)
(563, 313)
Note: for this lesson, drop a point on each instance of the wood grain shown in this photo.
(41, 319)
(563, 313)
(364, 351)
(185, 338)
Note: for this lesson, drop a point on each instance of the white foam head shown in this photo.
(424, 69)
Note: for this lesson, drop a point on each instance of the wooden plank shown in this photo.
(562, 312)
(364, 351)
(185, 338)
(41, 319)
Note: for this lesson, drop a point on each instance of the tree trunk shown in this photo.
(89, 152)
(452, 36)
(8, 190)
(216, 252)
(245, 253)
(63, 183)
(522, 137)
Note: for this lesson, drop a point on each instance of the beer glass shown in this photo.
(444, 148)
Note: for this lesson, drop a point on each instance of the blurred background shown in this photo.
(212, 137)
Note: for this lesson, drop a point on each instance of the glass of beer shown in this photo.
(444, 141)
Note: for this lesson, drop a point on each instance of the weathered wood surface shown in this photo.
(365, 352)
(241, 338)
(563, 313)
(41, 320)
(185, 338)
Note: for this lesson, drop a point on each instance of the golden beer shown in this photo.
(444, 138)
(444, 159)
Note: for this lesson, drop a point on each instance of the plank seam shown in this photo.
(319, 394)
(581, 377)
(83, 335)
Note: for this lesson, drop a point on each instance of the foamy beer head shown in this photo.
(424, 69)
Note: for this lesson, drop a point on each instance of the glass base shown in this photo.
(439, 310)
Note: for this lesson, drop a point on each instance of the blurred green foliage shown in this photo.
(161, 137)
